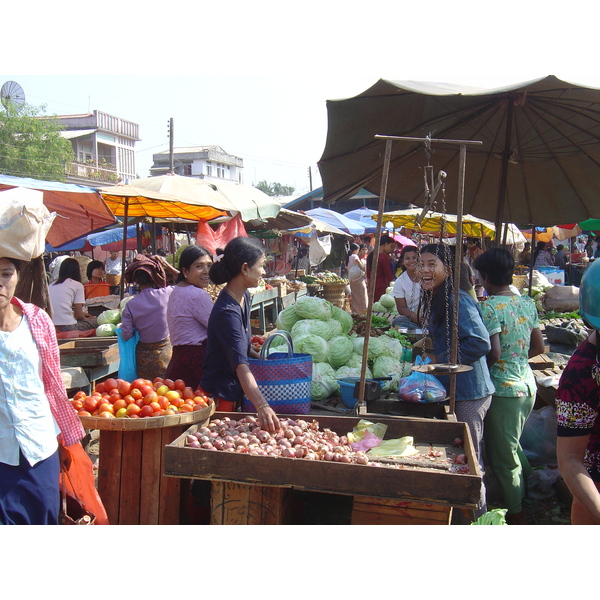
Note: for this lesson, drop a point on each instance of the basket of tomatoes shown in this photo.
(117, 404)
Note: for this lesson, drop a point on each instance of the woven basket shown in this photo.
(335, 293)
(519, 281)
(112, 280)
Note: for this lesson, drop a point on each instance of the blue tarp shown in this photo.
(96, 239)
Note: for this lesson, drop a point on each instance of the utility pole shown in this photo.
(171, 157)
(310, 178)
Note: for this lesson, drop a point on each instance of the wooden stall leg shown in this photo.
(109, 477)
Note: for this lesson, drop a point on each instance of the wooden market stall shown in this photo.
(259, 489)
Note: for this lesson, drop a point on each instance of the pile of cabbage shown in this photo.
(110, 320)
(386, 304)
(321, 329)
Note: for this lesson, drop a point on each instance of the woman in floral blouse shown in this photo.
(512, 322)
(577, 410)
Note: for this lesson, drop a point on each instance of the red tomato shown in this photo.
(84, 413)
(136, 394)
(129, 399)
(77, 404)
(179, 384)
(158, 380)
(170, 384)
(150, 397)
(106, 415)
(199, 406)
(105, 407)
(91, 403)
(79, 395)
(99, 387)
(138, 383)
(124, 388)
(187, 392)
(185, 408)
(163, 401)
(120, 403)
(169, 411)
(146, 411)
(110, 384)
(146, 389)
(133, 410)
(155, 406)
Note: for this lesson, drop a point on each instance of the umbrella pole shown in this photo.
(531, 260)
(504, 165)
(372, 278)
(125, 218)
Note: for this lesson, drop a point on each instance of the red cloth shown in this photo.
(44, 336)
(210, 239)
(383, 275)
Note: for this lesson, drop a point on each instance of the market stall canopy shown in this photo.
(146, 202)
(320, 227)
(337, 220)
(539, 161)
(252, 203)
(285, 219)
(101, 239)
(79, 209)
(431, 223)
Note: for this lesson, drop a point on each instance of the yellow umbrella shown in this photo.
(431, 223)
(132, 201)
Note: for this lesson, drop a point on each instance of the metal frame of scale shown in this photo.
(431, 190)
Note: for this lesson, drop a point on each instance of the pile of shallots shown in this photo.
(296, 439)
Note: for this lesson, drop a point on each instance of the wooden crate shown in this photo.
(88, 352)
(130, 471)
(380, 511)
(425, 484)
(244, 504)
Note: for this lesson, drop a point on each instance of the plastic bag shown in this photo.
(361, 428)
(127, 360)
(355, 273)
(369, 440)
(421, 387)
(403, 446)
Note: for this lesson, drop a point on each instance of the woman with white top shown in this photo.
(67, 300)
(188, 311)
(407, 290)
(37, 422)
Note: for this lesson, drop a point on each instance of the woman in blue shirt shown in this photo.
(474, 388)
(227, 373)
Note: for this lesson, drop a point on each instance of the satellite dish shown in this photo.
(12, 93)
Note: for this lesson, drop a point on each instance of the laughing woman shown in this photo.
(34, 410)
(474, 388)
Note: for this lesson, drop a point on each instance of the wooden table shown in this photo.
(259, 489)
(130, 473)
(98, 357)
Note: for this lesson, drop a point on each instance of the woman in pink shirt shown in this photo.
(188, 310)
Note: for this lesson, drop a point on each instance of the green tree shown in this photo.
(274, 189)
(31, 144)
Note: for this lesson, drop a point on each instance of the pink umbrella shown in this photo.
(401, 239)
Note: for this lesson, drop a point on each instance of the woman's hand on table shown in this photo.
(267, 419)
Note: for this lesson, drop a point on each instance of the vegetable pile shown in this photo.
(325, 331)
(117, 398)
(110, 320)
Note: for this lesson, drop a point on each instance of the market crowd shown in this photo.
(186, 332)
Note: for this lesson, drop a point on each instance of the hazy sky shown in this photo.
(254, 77)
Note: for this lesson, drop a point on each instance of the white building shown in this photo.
(103, 146)
(205, 162)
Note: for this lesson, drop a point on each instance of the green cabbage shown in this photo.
(109, 317)
(388, 301)
(345, 318)
(380, 308)
(287, 318)
(325, 329)
(341, 349)
(355, 361)
(393, 347)
(324, 382)
(124, 301)
(314, 345)
(311, 307)
(346, 371)
(106, 330)
(376, 347)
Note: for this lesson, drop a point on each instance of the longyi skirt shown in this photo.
(153, 358)
(30, 495)
(187, 364)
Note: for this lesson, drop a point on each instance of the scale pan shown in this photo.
(441, 369)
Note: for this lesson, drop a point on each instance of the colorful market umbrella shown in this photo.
(337, 220)
(79, 209)
(363, 215)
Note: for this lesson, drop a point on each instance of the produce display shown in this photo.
(116, 398)
(110, 320)
(301, 439)
(327, 332)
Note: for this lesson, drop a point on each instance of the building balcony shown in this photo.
(91, 171)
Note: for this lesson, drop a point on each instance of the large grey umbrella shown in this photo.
(539, 161)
